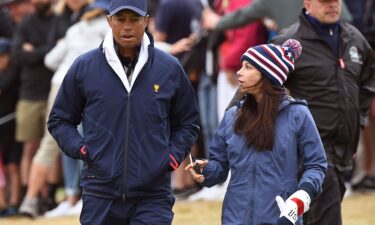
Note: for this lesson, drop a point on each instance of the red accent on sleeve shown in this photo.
(83, 150)
(300, 205)
(342, 63)
(174, 163)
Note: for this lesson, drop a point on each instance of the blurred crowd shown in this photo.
(40, 39)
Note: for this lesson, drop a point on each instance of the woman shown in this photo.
(270, 143)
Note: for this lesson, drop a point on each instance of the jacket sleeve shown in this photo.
(19, 56)
(54, 57)
(312, 156)
(366, 83)
(66, 114)
(9, 79)
(184, 119)
(217, 168)
(254, 11)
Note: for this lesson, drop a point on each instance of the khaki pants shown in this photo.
(30, 120)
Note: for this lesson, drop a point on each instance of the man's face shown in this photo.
(42, 7)
(326, 11)
(18, 10)
(128, 28)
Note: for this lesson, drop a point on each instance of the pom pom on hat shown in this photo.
(273, 61)
(295, 47)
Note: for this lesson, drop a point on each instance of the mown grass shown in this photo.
(358, 209)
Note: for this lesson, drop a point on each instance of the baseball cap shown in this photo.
(138, 6)
(5, 45)
(99, 4)
(9, 2)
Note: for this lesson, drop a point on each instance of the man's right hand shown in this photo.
(196, 176)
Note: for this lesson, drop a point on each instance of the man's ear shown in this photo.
(147, 19)
(109, 20)
(306, 5)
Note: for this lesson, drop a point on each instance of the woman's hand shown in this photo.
(197, 176)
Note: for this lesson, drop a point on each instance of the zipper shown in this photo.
(126, 148)
(253, 190)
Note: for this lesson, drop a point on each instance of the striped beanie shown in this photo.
(274, 61)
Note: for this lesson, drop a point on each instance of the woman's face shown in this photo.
(249, 79)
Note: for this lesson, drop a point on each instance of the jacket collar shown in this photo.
(286, 100)
(307, 31)
(113, 60)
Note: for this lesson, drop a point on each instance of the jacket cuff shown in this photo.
(173, 163)
(283, 221)
(309, 188)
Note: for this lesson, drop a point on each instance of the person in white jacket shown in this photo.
(80, 38)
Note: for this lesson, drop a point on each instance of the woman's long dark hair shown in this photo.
(256, 120)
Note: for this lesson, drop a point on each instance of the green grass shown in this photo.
(358, 209)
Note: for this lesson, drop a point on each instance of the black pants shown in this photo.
(326, 208)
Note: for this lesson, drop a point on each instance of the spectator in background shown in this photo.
(336, 77)
(11, 14)
(82, 37)
(153, 123)
(365, 159)
(28, 51)
(10, 153)
(173, 20)
(67, 13)
(282, 13)
(43, 167)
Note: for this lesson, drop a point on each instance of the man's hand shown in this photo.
(297, 204)
(209, 19)
(27, 47)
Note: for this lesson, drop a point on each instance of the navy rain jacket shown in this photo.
(132, 135)
(257, 177)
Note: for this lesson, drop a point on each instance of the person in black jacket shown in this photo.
(28, 50)
(9, 150)
(139, 116)
(11, 14)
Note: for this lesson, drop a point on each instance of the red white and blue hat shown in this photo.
(273, 61)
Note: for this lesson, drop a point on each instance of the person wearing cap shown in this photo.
(11, 14)
(266, 140)
(9, 150)
(81, 37)
(139, 116)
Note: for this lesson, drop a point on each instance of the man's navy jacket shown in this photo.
(134, 134)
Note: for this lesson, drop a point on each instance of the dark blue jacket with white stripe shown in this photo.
(136, 133)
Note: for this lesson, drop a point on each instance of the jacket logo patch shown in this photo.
(354, 55)
(156, 87)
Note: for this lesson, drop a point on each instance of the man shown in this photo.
(335, 74)
(28, 51)
(140, 118)
(11, 14)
